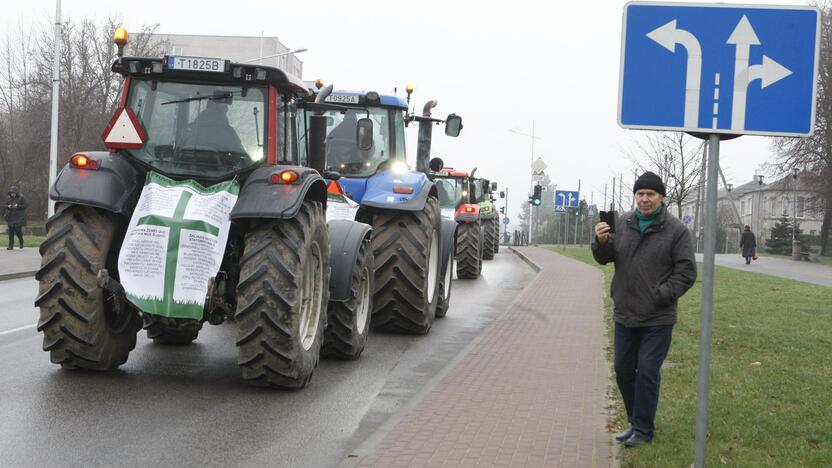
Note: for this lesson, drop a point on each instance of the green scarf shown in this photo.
(645, 221)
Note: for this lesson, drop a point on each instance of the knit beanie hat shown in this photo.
(651, 181)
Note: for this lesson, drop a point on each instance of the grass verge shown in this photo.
(770, 399)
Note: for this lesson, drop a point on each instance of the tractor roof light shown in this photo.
(372, 98)
(120, 38)
(319, 83)
(409, 89)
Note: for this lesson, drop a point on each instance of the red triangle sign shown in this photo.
(124, 131)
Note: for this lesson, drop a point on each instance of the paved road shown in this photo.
(801, 271)
(188, 406)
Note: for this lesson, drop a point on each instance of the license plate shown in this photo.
(196, 64)
(342, 98)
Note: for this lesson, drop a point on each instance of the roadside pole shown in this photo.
(56, 92)
(706, 310)
(578, 213)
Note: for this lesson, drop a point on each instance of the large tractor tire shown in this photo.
(83, 326)
(445, 286)
(490, 238)
(171, 331)
(469, 251)
(282, 298)
(496, 236)
(406, 247)
(348, 322)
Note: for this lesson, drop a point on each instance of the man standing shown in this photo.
(15, 215)
(654, 266)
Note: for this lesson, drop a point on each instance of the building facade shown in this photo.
(760, 205)
(234, 48)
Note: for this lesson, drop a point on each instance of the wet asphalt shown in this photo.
(187, 406)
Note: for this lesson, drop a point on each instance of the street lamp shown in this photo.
(296, 51)
(531, 163)
(795, 242)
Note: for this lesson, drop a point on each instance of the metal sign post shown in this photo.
(706, 310)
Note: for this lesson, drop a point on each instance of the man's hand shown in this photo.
(602, 232)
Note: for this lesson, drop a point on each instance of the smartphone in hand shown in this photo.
(609, 218)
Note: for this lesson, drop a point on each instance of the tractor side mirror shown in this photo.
(493, 186)
(453, 125)
(502, 194)
(364, 134)
(436, 164)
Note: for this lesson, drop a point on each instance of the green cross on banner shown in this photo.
(176, 224)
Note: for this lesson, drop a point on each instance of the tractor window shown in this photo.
(342, 152)
(450, 192)
(199, 130)
(398, 123)
(287, 136)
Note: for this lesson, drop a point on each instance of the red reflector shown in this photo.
(284, 177)
(402, 189)
(334, 187)
(82, 161)
(469, 209)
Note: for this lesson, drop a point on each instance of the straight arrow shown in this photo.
(743, 38)
(668, 36)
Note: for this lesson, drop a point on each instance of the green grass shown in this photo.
(771, 375)
(822, 260)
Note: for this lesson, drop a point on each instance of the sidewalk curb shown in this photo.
(526, 259)
(20, 274)
(366, 448)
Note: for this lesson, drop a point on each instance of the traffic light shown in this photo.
(502, 210)
(536, 195)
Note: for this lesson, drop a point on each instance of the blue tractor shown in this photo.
(412, 244)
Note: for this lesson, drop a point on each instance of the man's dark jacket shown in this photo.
(15, 216)
(652, 270)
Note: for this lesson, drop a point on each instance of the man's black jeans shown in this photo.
(639, 353)
(18, 230)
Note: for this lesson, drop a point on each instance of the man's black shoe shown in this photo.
(637, 439)
(9, 248)
(622, 436)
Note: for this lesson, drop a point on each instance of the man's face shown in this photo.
(13, 194)
(648, 201)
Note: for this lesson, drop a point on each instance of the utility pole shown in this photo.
(620, 192)
(612, 196)
(578, 212)
(531, 163)
(56, 95)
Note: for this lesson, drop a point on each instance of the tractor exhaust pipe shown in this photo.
(425, 131)
(317, 134)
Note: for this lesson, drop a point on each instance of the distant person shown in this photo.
(748, 244)
(15, 215)
(654, 266)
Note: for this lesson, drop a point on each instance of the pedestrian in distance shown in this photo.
(654, 266)
(748, 244)
(15, 215)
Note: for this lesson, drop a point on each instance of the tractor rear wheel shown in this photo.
(172, 331)
(490, 238)
(469, 251)
(496, 236)
(406, 247)
(445, 285)
(348, 322)
(83, 326)
(282, 297)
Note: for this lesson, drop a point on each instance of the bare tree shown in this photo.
(813, 155)
(676, 158)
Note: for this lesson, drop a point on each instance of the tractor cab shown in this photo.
(457, 194)
(204, 118)
(365, 137)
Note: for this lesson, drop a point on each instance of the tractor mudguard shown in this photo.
(260, 198)
(389, 190)
(448, 238)
(345, 238)
(110, 186)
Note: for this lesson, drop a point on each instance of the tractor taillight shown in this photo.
(402, 189)
(82, 161)
(285, 177)
(469, 209)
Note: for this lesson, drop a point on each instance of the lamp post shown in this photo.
(260, 59)
(531, 163)
(795, 241)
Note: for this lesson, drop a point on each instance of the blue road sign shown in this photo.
(566, 198)
(506, 220)
(719, 68)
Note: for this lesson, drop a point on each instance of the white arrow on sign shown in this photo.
(668, 36)
(769, 72)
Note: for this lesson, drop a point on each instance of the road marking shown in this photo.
(13, 330)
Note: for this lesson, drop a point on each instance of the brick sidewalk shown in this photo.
(530, 391)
